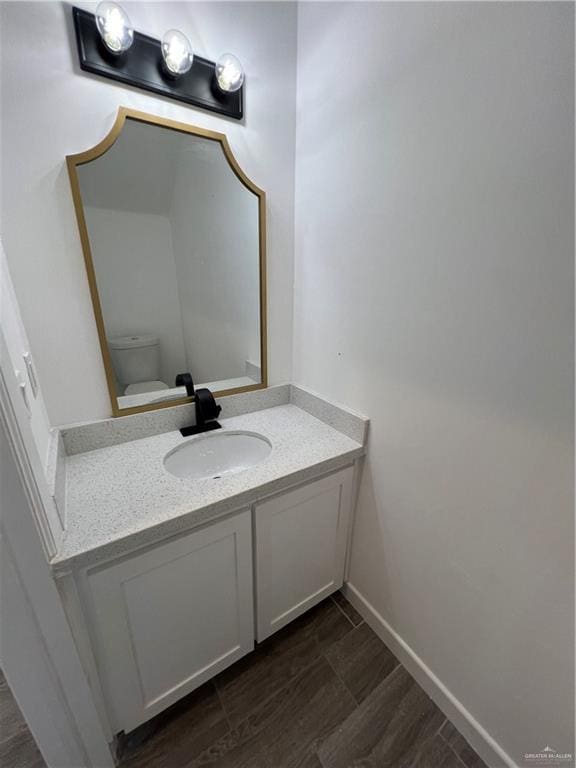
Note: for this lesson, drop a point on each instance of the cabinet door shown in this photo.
(301, 539)
(168, 619)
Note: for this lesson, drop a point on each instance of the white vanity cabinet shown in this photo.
(165, 620)
(300, 542)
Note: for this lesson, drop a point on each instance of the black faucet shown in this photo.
(207, 410)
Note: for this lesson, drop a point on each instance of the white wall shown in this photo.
(17, 345)
(434, 292)
(216, 251)
(137, 281)
(56, 110)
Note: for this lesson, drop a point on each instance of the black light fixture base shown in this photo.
(141, 66)
(209, 426)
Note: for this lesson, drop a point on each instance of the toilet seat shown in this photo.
(145, 386)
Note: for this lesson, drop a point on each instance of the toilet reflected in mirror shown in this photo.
(136, 363)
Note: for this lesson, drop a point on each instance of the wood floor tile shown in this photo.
(11, 721)
(347, 608)
(437, 754)
(177, 735)
(20, 751)
(239, 748)
(286, 731)
(278, 660)
(361, 660)
(319, 703)
(388, 730)
(460, 746)
(321, 693)
(312, 761)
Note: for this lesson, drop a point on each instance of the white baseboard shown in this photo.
(486, 747)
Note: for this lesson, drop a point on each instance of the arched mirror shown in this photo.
(173, 234)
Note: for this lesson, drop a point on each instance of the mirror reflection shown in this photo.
(174, 238)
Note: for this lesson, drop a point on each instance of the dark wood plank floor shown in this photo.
(324, 692)
(17, 747)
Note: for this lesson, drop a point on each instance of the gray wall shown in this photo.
(137, 282)
(214, 225)
(434, 292)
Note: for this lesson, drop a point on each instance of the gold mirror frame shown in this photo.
(73, 161)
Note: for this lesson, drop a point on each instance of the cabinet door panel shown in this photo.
(172, 617)
(301, 541)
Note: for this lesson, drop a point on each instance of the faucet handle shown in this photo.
(207, 411)
(185, 380)
(207, 408)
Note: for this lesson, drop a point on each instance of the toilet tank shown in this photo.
(135, 358)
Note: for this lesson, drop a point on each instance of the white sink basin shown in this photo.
(216, 455)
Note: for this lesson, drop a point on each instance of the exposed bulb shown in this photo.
(177, 52)
(229, 73)
(114, 27)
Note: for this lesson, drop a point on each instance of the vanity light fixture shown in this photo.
(114, 27)
(177, 53)
(229, 73)
(168, 66)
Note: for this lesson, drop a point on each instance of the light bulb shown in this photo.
(229, 73)
(177, 52)
(114, 27)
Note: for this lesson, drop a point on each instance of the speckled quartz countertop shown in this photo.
(121, 497)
